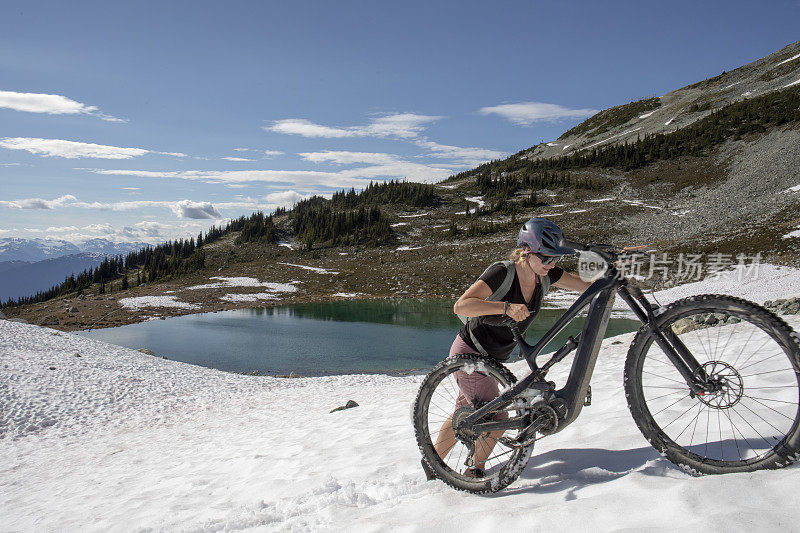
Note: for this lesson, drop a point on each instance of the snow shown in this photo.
(252, 297)
(747, 93)
(579, 211)
(313, 269)
(138, 302)
(612, 137)
(646, 114)
(795, 82)
(565, 147)
(601, 199)
(641, 204)
(787, 60)
(795, 233)
(420, 214)
(476, 199)
(552, 144)
(119, 440)
(406, 248)
(244, 282)
(757, 283)
(667, 123)
(347, 294)
(286, 244)
(796, 188)
(396, 224)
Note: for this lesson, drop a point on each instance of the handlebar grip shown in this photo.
(499, 320)
(575, 245)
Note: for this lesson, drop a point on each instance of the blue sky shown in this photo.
(148, 121)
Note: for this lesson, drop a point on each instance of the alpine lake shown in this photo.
(396, 336)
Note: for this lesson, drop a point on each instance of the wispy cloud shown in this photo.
(187, 209)
(526, 113)
(349, 158)
(272, 153)
(75, 150)
(403, 125)
(39, 203)
(237, 159)
(466, 156)
(52, 104)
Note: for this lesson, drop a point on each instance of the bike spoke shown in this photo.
(680, 415)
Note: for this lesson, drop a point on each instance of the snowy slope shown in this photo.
(121, 441)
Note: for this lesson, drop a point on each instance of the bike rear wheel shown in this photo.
(436, 406)
(751, 418)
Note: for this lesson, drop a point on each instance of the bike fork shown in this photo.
(677, 352)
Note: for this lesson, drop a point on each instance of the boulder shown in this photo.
(145, 351)
(349, 405)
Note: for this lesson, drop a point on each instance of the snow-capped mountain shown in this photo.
(16, 249)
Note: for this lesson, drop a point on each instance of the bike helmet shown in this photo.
(543, 236)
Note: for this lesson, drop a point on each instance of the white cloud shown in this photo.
(75, 150)
(526, 113)
(39, 203)
(240, 149)
(284, 198)
(237, 159)
(349, 158)
(272, 153)
(299, 126)
(61, 229)
(354, 177)
(466, 156)
(404, 125)
(130, 188)
(52, 104)
(197, 210)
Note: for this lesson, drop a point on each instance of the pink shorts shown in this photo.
(475, 386)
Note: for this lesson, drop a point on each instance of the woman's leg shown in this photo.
(472, 387)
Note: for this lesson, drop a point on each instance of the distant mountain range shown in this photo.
(31, 265)
(31, 250)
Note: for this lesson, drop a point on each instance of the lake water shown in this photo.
(342, 337)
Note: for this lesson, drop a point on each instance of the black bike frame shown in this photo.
(599, 297)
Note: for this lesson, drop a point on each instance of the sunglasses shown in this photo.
(545, 259)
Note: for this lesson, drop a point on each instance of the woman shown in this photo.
(539, 247)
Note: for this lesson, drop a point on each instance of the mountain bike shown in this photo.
(712, 382)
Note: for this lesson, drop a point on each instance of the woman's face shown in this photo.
(535, 263)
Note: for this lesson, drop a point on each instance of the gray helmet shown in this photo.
(543, 236)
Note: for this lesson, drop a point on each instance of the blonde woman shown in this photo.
(525, 279)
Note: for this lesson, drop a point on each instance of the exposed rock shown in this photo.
(349, 405)
(145, 351)
(20, 320)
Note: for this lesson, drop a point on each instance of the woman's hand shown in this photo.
(518, 312)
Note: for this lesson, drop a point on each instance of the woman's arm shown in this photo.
(473, 303)
(572, 282)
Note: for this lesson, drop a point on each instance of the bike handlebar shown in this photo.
(603, 250)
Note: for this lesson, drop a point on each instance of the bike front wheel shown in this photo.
(750, 419)
(451, 454)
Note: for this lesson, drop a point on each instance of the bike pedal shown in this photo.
(588, 399)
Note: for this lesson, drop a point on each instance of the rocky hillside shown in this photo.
(679, 108)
